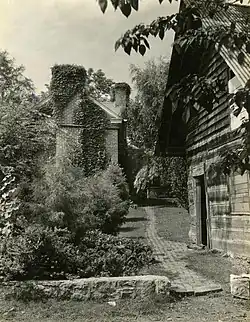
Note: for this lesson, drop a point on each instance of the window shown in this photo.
(236, 119)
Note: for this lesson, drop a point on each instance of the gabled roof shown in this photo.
(108, 107)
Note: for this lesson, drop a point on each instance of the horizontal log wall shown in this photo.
(228, 196)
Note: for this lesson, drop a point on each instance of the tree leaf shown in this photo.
(146, 43)
(117, 44)
(134, 4)
(103, 5)
(142, 50)
(115, 3)
(125, 8)
(161, 33)
(128, 48)
(248, 47)
(241, 58)
(233, 26)
(135, 46)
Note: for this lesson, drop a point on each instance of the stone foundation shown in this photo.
(103, 288)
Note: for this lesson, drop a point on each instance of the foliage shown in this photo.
(67, 80)
(38, 252)
(144, 112)
(15, 87)
(47, 214)
(191, 34)
(25, 134)
(194, 93)
(45, 253)
(108, 255)
(98, 85)
(186, 21)
(170, 173)
(114, 174)
(126, 6)
(238, 158)
(80, 203)
(26, 138)
(91, 153)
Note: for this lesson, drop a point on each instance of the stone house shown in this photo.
(68, 133)
(116, 132)
(219, 204)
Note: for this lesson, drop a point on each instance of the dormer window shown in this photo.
(236, 118)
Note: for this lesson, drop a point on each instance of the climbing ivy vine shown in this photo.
(90, 151)
(67, 80)
(91, 154)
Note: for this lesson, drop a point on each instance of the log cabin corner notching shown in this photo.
(219, 205)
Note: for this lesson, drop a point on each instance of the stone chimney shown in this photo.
(120, 96)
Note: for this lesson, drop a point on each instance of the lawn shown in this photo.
(136, 224)
(172, 223)
(211, 308)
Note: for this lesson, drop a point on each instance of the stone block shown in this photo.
(240, 286)
(99, 289)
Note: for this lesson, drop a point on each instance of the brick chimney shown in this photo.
(120, 96)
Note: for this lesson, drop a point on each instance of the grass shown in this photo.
(136, 224)
(172, 223)
(52, 310)
(209, 308)
(214, 266)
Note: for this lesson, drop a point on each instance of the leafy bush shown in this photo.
(39, 252)
(97, 202)
(46, 253)
(108, 255)
(26, 138)
(166, 172)
(114, 174)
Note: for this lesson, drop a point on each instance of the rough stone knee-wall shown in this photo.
(103, 288)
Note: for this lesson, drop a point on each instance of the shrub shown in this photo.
(167, 172)
(39, 252)
(46, 253)
(108, 255)
(97, 202)
(114, 174)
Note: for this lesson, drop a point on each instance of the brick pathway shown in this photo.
(171, 254)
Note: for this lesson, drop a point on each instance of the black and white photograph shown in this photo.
(125, 160)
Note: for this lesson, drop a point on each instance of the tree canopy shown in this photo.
(98, 84)
(144, 111)
(15, 88)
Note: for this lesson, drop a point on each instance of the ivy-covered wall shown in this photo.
(86, 136)
(91, 154)
(67, 80)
